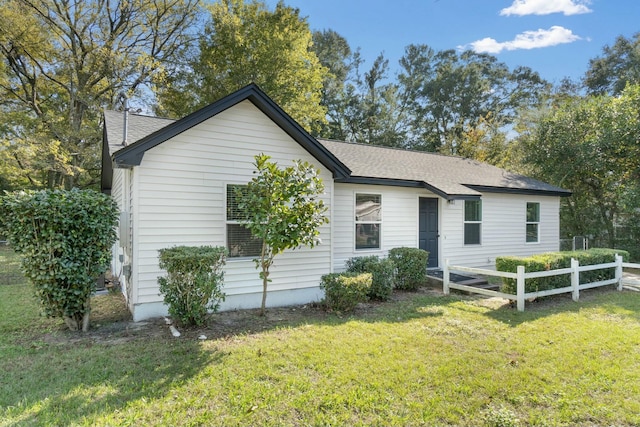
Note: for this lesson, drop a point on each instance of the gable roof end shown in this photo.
(133, 154)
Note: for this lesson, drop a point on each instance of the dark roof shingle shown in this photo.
(139, 127)
(448, 176)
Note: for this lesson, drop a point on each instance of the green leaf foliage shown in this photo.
(245, 42)
(194, 281)
(411, 264)
(382, 272)
(555, 261)
(64, 239)
(282, 206)
(62, 62)
(343, 291)
(590, 146)
(617, 67)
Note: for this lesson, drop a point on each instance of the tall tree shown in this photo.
(63, 61)
(590, 145)
(243, 43)
(618, 66)
(338, 92)
(452, 93)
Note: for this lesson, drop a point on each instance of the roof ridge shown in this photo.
(146, 116)
(409, 150)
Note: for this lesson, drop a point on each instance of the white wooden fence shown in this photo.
(520, 276)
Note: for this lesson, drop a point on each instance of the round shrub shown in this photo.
(343, 291)
(411, 267)
(382, 271)
(193, 286)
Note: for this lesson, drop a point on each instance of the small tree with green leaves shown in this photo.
(282, 207)
(65, 240)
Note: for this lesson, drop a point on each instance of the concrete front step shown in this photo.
(435, 277)
(479, 283)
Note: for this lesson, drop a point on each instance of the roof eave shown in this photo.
(406, 183)
(133, 154)
(523, 191)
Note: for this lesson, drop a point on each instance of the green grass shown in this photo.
(424, 359)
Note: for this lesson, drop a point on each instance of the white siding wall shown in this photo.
(503, 229)
(117, 193)
(122, 254)
(399, 219)
(179, 196)
(503, 225)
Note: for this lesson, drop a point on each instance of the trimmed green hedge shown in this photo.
(64, 239)
(343, 291)
(382, 270)
(554, 261)
(411, 265)
(194, 281)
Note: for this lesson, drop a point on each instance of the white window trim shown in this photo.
(356, 222)
(465, 222)
(527, 222)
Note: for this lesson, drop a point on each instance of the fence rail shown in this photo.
(521, 276)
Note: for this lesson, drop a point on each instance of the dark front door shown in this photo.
(428, 229)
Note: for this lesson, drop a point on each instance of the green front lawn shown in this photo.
(422, 359)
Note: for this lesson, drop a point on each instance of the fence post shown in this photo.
(445, 277)
(575, 279)
(520, 288)
(619, 271)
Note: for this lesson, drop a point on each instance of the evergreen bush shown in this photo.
(382, 272)
(555, 261)
(64, 239)
(193, 285)
(343, 291)
(411, 267)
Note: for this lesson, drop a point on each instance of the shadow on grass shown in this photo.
(52, 376)
(68, 379)
(403, 307)
(65, 385)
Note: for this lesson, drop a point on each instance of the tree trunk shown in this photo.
(74, 324)
(265, 280)
(85, 317)
(71, 323)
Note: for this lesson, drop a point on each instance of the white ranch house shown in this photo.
(172, 180)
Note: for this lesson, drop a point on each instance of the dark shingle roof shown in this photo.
(447, 176)
(139, 127)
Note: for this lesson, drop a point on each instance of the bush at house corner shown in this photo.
(64, 238)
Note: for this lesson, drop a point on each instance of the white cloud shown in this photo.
(546, 7)
(528, 40)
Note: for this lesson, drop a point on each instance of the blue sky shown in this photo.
(553, 37)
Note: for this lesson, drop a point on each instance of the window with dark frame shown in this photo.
(533, 222)
(240, 242)
(472, 222)
(368, 221)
